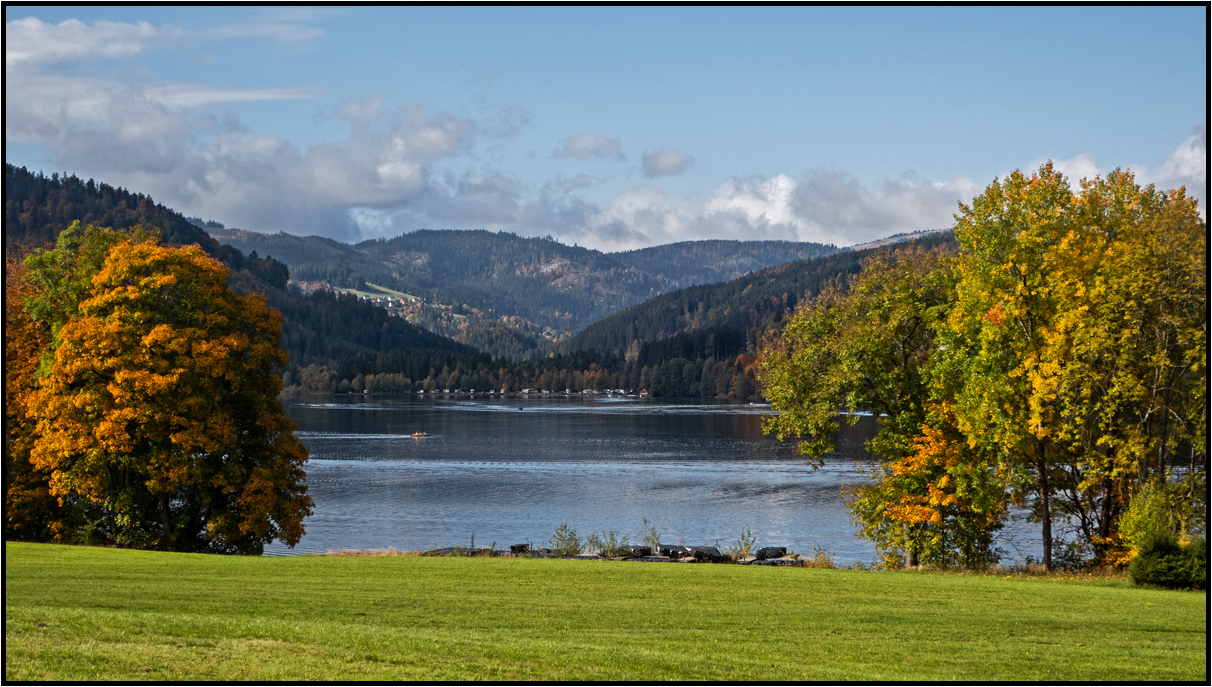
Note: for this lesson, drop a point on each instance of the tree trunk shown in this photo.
(168, 528)
(1046, 502)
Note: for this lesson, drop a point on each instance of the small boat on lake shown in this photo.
(420, 434)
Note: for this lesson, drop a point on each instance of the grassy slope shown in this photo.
(100, 614)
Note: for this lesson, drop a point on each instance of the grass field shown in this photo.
(74, 613)
(376, 291)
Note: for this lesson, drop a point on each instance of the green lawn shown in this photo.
(74, 613)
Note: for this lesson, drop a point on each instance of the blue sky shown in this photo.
(610, 127)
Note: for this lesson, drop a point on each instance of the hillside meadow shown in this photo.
(92, 614)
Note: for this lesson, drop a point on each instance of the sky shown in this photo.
(612, 128)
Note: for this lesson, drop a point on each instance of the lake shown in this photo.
(510, 470)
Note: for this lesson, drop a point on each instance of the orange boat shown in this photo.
(420, 434)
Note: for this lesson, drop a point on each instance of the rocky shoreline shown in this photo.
(665, 553)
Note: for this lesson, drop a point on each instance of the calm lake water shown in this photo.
(510, 470)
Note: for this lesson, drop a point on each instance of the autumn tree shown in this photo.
(941, 502)
(868, 348)
(1123, 381)
(30, 512)
(61, 278)
(1006, 299)
(1076, 347)
(160, 404)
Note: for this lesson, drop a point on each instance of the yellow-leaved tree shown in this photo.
(160, 407)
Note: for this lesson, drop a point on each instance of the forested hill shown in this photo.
(322, 329)
(744, 303)
(688, 263)
(37, 208)
(538, 279)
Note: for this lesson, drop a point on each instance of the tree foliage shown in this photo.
(158, 422)
(1060, 359)
(30, 512)
(866, 347)
(858, 348)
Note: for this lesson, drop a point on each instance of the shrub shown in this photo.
(1147, 517)
(743, 546)
(650, 537)
(821, 558)
(1161, 561)
(565, 541)
(608, 544)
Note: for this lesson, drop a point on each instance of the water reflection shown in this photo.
(509, 471)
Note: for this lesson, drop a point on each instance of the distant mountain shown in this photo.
(538, 279)
(746, 303)
(688, 263)
(899, 238)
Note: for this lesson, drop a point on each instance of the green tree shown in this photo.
(1006, 299)
(870, 349)
(1123, 370)
(855, 350)
(1076, 348)
(160, 406)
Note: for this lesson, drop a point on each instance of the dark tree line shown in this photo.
(38, 208)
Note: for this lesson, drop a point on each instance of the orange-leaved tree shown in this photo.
(160, 407)
(30, 512)
(942, 501)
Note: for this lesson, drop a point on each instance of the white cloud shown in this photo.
(1187, 166)
(160, 138)
(189, 95)
(357, 111)
(584, 146)
(835, 203)
(1190, 160)
(665, 162)
(1076, 168)
(825, 207)
(396, 171)
(261, 182)
(32, 41)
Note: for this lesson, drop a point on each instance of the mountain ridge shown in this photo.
(505, 293)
